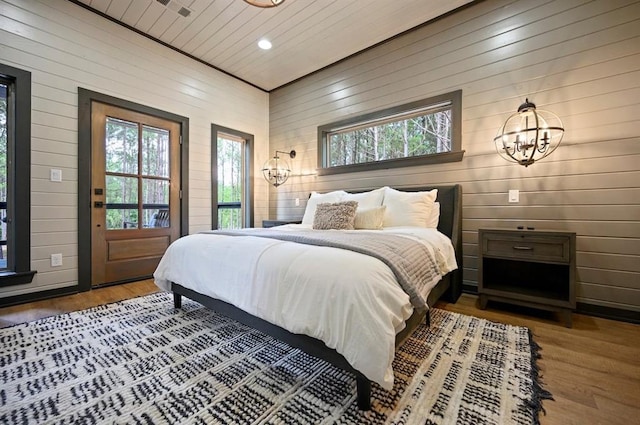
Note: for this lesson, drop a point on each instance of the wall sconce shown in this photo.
(276, 170)
(265, 3)
(529, 135)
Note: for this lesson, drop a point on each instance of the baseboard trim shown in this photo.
(469, 289)
(609, 312)
(37, 296)
(582, 308)
(612, 313)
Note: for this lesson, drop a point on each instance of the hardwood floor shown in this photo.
(592, 369)
(45, 308)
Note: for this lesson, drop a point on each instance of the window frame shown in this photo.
(18, 270)
(456, 153)
(247, 203)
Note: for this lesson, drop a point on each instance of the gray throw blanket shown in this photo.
(411, 261)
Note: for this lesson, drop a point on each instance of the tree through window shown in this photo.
(4, 86)
(231, 178)
(137, 175)
(418, 130)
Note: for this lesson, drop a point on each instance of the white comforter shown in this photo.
(350, 301)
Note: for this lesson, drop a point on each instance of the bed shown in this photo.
(277, 310)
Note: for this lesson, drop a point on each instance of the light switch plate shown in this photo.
(514, 196)
(56, 175)
(56, 260)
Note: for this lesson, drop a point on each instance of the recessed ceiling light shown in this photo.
(264, 44)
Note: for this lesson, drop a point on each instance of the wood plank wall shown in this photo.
(65, 47)
(577, 58)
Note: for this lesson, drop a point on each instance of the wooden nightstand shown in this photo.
(273, 223)
(528, 267)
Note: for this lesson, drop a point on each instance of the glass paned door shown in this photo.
(135, 192)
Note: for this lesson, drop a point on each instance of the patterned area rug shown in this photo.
(142, 362)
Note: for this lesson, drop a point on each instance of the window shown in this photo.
(423, 132)
(231, 167)
(4, 130)
(137, 157)
(15, 166)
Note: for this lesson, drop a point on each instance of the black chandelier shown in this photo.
(277, 170)
(265, 3)
(529, 135)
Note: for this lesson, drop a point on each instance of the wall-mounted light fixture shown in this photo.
(277, 170)
(265, 3)
(529, 135)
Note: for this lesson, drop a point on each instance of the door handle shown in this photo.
(98, 204)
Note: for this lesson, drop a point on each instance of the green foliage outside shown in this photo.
(230, 218)
(230, 184)
(415, 136)
(3, 153)
(123, 178)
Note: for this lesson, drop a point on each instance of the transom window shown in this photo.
(418, 133)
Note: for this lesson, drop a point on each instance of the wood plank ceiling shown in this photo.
(307, 35)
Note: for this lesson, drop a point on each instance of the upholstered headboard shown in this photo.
(450, 198)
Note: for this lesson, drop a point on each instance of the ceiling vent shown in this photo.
(176, 7)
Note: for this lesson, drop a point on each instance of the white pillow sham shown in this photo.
(317, 198)
(408, 208)
(370, 218)
(417, 209)
(366, 200)
(434, 216)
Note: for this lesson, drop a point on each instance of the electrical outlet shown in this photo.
(56, 260)
(297, 202)
(514, 196)
(56, 175)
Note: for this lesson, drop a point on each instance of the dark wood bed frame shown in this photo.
(449, 288)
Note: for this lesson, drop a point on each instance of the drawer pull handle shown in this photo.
(523, 248)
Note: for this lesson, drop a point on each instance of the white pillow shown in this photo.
(317, 198)
(434, 216)
(370, 218)
(366, 200)
(408, 208)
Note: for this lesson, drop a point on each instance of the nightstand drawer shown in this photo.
(539, 247)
